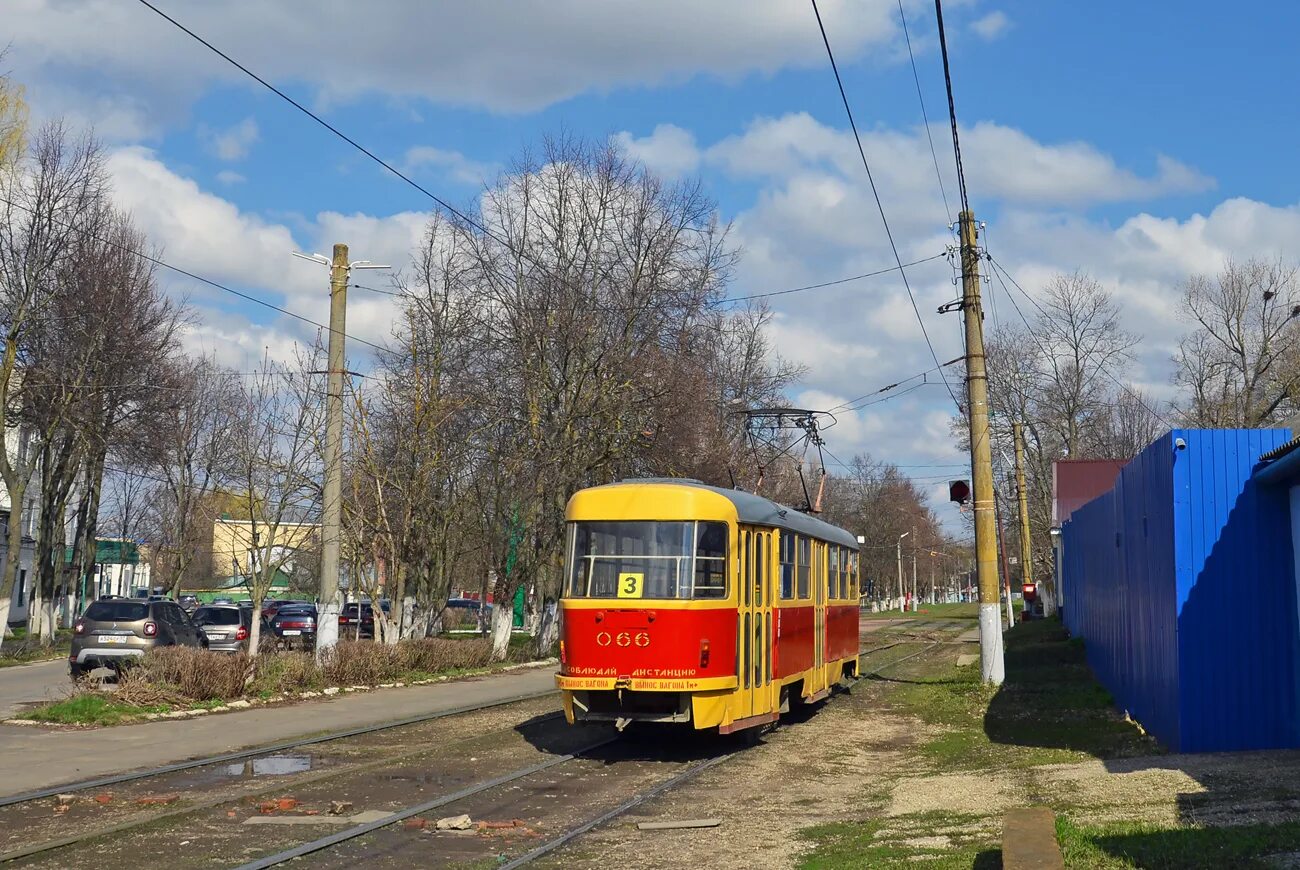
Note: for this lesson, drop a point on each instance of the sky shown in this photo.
(1117, 139)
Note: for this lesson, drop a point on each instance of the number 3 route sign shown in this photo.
(630, 584)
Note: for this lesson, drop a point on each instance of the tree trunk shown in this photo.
(13, 551)
(254, 643)
(502, 619)
(548, 629)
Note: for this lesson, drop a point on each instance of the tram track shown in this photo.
(569, 834)
(351, 772)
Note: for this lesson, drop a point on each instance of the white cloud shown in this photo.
(537, 54)
(229, 177)
(668, 151)
(991, 26)
(452, 164)
(233, 143)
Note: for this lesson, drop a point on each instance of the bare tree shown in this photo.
(275, 472)
(1240, 365)
(47, 199)
(194, 457)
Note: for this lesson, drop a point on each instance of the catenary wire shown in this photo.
(925, 117)
(952, 107)
(876, 194)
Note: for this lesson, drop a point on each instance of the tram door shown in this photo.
(753, 668)
(819, 615)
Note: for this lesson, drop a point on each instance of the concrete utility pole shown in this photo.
(902, 597)
(327, 617)
(1026, 575)
(992, 664)
(916, 605)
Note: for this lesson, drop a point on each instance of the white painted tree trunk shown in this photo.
(548, 629)
(502, 617)
(4, 618)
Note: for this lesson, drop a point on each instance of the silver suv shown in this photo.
(226, 626)
(114, 631)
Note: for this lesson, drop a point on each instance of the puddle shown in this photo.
(271, 765)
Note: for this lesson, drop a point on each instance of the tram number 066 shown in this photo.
(624, 639)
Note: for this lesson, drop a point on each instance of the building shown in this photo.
(240, 546)
(1075, 482)
(120, 568)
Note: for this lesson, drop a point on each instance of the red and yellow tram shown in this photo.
(695, 604)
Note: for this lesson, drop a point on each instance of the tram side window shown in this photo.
(803, 566)
(787, 565)
(711, 560)
(836, 590)
(852, 574)
(760, 566)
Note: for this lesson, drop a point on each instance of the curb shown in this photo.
(291, 697)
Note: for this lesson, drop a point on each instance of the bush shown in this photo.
(433, 654)
(280, 672)
(195, 674)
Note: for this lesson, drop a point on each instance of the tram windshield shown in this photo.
(644, 559)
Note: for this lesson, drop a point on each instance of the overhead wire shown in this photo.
(952, 106)
(876, 194)
(925, 117)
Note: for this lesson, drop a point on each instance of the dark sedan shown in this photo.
(358, 619)
(295, 623)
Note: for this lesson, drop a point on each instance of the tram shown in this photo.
(708, 607)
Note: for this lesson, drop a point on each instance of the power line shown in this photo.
(999, 270)
(194, 277)
(730, 299)
(875, 193)
(947, 210)
(952, 106)
(851, 402)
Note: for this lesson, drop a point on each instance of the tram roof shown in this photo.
(759, 511)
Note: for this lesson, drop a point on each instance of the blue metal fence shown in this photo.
(1180, 581)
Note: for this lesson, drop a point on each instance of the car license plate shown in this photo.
(111, 638)
(218, 636)
(290, 631)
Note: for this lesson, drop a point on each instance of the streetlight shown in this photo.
(902, 598)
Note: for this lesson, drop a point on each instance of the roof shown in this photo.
(759, 511)
(1279, 452)
(1075, 482)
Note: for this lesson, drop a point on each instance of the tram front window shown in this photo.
(643, 559)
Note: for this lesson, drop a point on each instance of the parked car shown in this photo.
(114, 632)
(227, 628)
(189, 603)
(363, 614)
(295, 623)
(223, 601)
(271, 606)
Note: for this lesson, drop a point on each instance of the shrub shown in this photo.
(279, 672)
(191, 673)
(434, 654)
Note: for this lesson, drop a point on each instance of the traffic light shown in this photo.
(959, 491)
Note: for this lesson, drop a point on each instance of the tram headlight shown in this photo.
(564, 660)
(704, 652)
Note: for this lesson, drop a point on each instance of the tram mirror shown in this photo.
(630, 584)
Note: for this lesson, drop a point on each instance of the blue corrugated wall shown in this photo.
(1180, 581)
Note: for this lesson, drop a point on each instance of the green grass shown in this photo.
(18, 649)
(90, 708)
(869, 844)
(1145, 846)
(1049, 710)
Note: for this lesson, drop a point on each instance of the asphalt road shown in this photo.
(23, 684)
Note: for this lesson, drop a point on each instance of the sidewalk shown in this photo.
(34, 758)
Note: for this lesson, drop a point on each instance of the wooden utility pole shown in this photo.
(327, 612)
(1018, 433)
(992, 665)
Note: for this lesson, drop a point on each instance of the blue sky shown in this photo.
(1138, 142)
